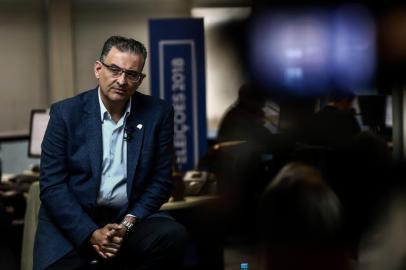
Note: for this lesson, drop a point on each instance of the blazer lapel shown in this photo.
(94, 142)
(135, 123)
(92, 123)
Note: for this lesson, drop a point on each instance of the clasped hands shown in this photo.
(108, 239)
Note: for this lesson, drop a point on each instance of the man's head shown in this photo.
(341, 99)
(119, 70)
(124, 44)
(300, 208)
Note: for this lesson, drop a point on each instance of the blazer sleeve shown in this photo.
(66, 213)
(158, 191)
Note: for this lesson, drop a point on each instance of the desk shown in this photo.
(5, 177)
(189, 202)
(27, 177)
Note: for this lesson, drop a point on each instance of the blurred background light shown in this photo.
(307, 52)
(354, 47)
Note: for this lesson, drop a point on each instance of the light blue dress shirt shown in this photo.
(113, 186)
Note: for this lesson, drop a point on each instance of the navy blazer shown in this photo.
(71, 164)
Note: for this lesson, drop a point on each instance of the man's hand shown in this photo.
(120, 232)
(107, 240)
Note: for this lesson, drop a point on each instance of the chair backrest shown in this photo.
(30, 226)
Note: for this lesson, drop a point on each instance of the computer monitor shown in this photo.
(376, 114)
(373, 110)
(38, 125)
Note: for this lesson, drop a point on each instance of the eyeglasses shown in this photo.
(131, 75)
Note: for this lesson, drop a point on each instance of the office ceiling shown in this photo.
(189, 2)
(131, 2)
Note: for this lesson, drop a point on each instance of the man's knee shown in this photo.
(158, 243)
(172, 235)
(157, 234)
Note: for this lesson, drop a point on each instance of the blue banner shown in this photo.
(178, 75)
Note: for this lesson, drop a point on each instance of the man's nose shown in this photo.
(122, 79)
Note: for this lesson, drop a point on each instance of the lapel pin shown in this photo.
(139, 126)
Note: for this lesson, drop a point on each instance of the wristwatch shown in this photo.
(129, 222)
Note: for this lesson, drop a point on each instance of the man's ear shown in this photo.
(97, 69)
(142, 79)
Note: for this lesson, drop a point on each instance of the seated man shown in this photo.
(106, 171)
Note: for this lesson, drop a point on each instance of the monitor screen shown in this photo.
(39, 122)
(388, 113)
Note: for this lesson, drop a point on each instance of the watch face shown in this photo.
(127, 224)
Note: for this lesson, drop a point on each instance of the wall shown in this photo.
(23, 81)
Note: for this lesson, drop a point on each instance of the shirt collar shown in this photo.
(103, 111)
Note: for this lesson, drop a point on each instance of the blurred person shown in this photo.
(363, 176)
(105, 172)
(360, 175)
(335, 124)
(300, 222)
(238, 166)
(245, 119)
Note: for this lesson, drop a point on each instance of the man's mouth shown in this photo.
(120, 90)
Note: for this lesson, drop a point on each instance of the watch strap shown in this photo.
(128, 224)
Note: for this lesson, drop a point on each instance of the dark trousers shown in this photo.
(155, 243)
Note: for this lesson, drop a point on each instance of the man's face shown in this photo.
(345, 104)
(117, 89)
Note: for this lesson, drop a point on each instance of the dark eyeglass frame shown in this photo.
(131, 75)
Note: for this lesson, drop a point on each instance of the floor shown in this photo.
(234, 255)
